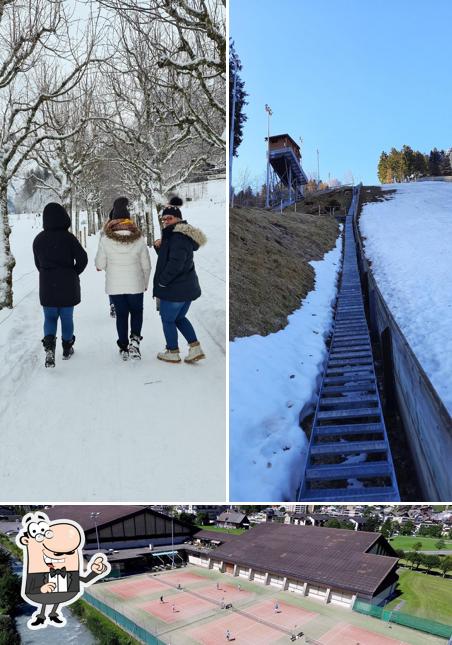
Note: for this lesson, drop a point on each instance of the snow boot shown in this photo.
(169, 355)
(112, 311)
(49, 343)
(123, 350)
(195, 353)
(68, 350)
(134, 346)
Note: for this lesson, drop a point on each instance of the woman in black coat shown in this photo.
(176, 283)
(60, 259)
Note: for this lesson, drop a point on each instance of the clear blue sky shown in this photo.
(351, 77)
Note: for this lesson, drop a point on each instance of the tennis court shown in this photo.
(132, 588)
(242, 630)
(201, 605)
(351, 635)
(178, 607)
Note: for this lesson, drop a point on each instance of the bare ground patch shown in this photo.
(269, 256)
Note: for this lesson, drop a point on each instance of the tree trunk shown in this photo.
(77, 217)
(7, 261)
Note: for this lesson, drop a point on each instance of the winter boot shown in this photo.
(169, 355)
(134, 346)
(123, 350)
(68, 350)
(195, 352)
(112, 311)
(49, 343)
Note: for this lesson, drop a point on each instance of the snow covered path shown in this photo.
(97, 428)
(409, 241)
(272, 378)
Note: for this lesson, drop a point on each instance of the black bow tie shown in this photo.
(58, 572)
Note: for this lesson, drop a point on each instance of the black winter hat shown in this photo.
(55, 217)
(120, 210)
(172, 208)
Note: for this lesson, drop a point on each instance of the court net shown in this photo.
(229, 606)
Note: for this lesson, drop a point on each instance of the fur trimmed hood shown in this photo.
(126, 234)
(190, 231)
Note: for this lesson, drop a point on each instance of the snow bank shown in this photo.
(96, 428)
(409, 241)
(271, 379)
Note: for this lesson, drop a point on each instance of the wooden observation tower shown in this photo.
(286, 177)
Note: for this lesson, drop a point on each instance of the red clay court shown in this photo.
(344, 634)
(186, 606)
(133, 588)
(287, 616)
(230, 593)
(243, 630)
(182, 577)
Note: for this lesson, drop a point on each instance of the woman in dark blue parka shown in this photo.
(176, 283)
(60, 259)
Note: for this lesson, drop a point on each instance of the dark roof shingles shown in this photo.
(334, 557)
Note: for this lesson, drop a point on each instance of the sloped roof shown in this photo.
(107, 514)
(332, 557)
(231, 516)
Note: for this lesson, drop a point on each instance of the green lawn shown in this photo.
(219, 529)
(424, 595)
(406, 542)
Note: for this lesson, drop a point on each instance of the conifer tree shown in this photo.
(383, 169)
(420, 164)
(433, 163)
(444, 164)
(240, 102)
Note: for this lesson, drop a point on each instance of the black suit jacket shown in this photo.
(35, 581)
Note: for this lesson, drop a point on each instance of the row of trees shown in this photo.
(429, 562)
(408, 164)
(107, 96)
(389, 528)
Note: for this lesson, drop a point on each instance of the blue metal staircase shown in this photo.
(291, 177)
(349, 458)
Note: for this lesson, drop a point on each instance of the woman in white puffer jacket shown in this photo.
(124, 256)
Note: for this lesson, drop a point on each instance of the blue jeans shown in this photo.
(173, 319)
(65, 314)
(128, 304)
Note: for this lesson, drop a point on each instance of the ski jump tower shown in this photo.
(286, 177)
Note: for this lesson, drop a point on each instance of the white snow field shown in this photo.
(95, 427)
(409, 241)
(272, 379)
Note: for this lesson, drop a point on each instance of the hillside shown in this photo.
(269, 260)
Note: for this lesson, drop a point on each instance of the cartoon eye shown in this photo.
(48, 534)
(39, 537)
(43, 527)
(33, 529)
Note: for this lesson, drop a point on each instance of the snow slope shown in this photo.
(97, 428)
(409, 241)
(271, 379)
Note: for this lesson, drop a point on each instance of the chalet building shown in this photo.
(320, 519)
(233, 520)
(331, 565)
(134, 538)
(212, 511)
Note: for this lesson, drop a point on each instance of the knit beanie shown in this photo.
(172, 208)
(120, 210)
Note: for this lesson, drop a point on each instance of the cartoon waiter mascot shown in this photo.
(53, 573)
